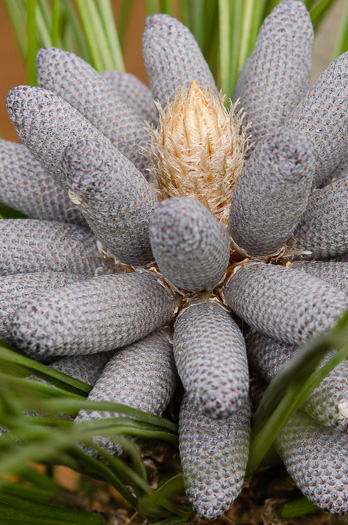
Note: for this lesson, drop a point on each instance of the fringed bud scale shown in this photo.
(198, 149)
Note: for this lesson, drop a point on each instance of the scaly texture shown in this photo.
(135, 93)
(342, 170)
(114, 198)
(97, 315)
(189, 244)
(141, 375)
(91, 94)
(172, 58)
(333, 272)
(271, 193)
(278, 74)
(31, 245)
(86, 368)
(217, 382)
(26, 187)
(322, 116)
(283, 303)
(317, 460)
(327, 401)
(45, 123)
(323, 229)
(14, 289)
(213, 456)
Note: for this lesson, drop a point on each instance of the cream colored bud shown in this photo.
(198, 149)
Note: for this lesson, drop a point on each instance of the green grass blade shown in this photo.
(300, 367)
(32, 41)
(184, 9)
(30, 493)
(297, 508)
(55, 23)
(118, 426)
(341, 44)
(267, 6)
(67, 400)
(269, 419)
(225, 45)
(319, 11)
(17, 15)
(20, 506)
(196, 21)
(152, 7)
(12, 362)
(252, 11)
(46, 12)
(48, 446)
(210, 27)
(134, 456)
(77, 30)
(150, 504)
(109, 474)
(310, 4)
(93, 30)
(236, 24)
(123, 20)
(9, 213)
(167, 6)
(113, 59)
(38, 479)
(43, 20)
(52, 405)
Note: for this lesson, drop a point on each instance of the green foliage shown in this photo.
(292, 385)
(297, 508)
(36, 427)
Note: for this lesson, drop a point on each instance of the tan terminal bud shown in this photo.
(198, 149)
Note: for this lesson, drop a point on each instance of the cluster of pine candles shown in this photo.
(142, 241)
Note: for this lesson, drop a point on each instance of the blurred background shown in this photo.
(13, 71)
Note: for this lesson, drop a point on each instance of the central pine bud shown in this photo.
(198, 149)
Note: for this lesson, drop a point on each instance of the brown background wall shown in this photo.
(13, 70)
